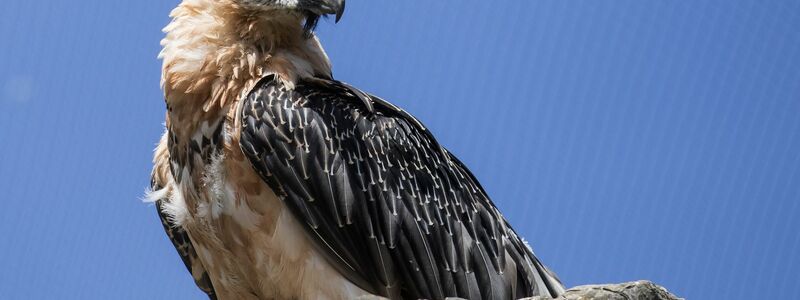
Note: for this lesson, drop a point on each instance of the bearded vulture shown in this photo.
(275, 181)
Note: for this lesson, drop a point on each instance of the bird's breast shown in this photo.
(249, 242)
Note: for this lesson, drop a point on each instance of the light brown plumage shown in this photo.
(245, 238)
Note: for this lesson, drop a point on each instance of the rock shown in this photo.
(644, 290)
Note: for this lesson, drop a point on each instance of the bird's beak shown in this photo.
(339, 9)
(324, 7)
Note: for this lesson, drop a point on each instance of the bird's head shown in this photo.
(221, 46)
(311, 10)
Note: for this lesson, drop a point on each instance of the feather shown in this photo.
(183, 244)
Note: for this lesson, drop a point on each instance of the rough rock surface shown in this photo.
(642, 289)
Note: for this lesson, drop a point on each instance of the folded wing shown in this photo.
(394, 211)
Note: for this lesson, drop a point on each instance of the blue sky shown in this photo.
(624, 139)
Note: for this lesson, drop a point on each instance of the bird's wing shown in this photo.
(180, 239)
(395, 212)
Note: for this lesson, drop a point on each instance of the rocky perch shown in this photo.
(644, 290)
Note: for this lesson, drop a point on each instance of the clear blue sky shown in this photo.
(625, 139)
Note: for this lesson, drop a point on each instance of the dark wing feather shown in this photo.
(395, 212)
(180, 239)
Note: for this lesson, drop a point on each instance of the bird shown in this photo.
(273, 180)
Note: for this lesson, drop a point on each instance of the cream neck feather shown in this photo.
(215, 50)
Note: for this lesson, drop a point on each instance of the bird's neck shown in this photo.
(215, 50)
